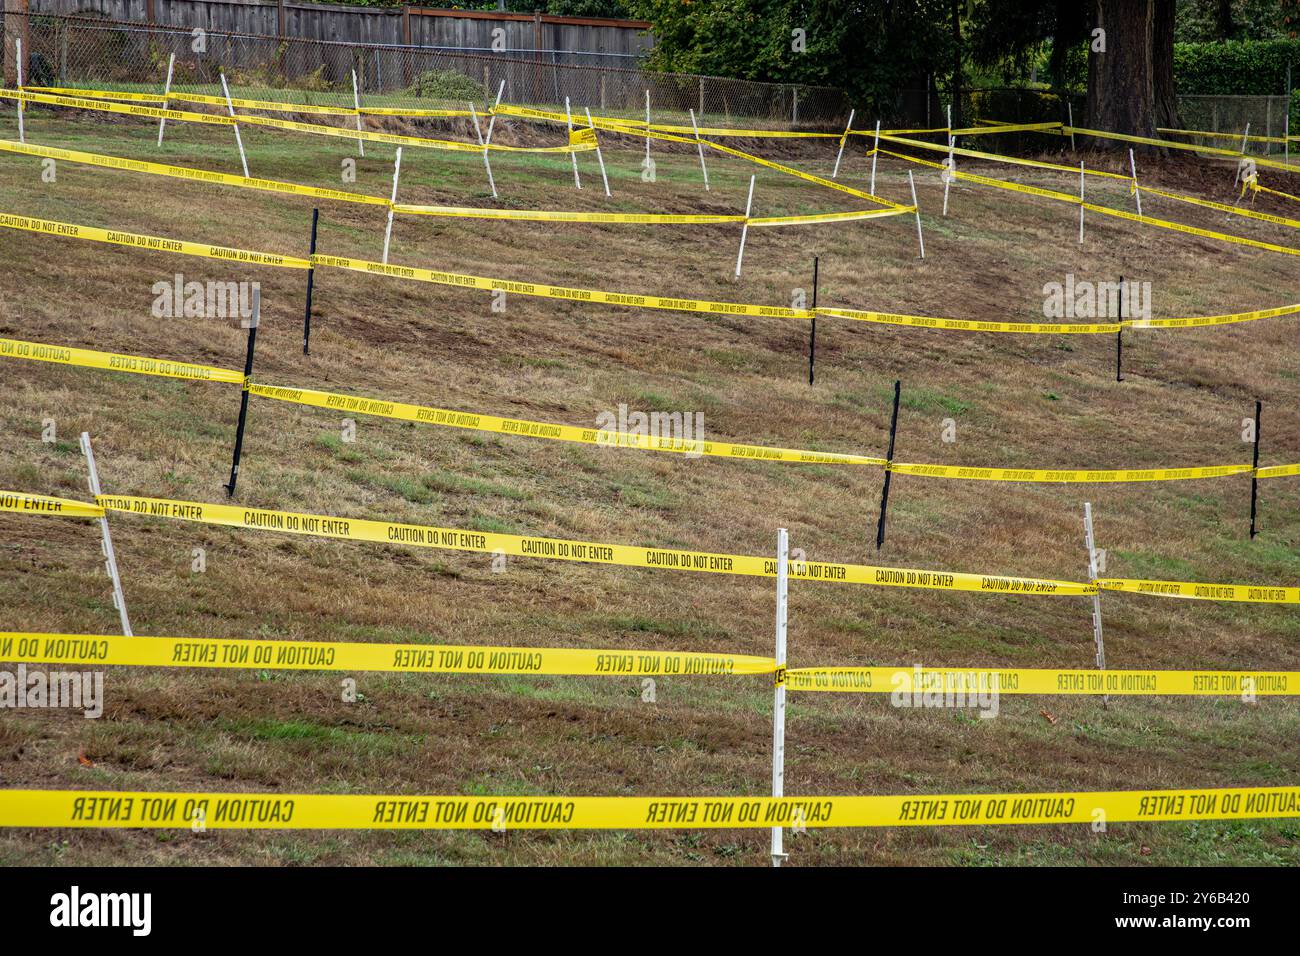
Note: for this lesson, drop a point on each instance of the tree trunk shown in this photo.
(1121, 90)
(1162, 66)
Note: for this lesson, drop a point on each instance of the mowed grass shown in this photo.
(1032, 401)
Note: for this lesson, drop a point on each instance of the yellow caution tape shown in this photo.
(1224, 207)
(299, 811)
(184, 172)
(1236, 137)
(1170, 144)
(1006, 128)
(73, 231)
(1256, 187)
(559, 292)
(571, 433)
(579, 140)
(20, 502)
(353, 404)
(1106, 210)
(944, 681)
(114, 650)
(37, 351)
(543, 215)
(1278, 471)
(1084, 476)
(971, 325)
(348, 656)
(94, 234)
(998, 157)
(463, 212)
(117, 651)
(1255, 593)
(427, 536)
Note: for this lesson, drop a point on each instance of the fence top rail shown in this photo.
(143, 27)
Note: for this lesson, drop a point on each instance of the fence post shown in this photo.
(238, 140)
(889, 463)
(1254, 471)
(572, 155)
(110, 556)
(1097, 638)
(388, 230)
(18, 46)
(698, 145)
(917, 209)
(599, 158)
(778, 694)
(311, 281)
(744, 230)
(356, 103)
(1119, 335)
(875, 152)
(848, 128)
(812, 336)
(167, 88)
(243, 401)
(1137, 193)
(1080, 202)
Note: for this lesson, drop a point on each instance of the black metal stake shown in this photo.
(1119, 336)
(889, 461)
(812, 337)
(1254, 474)
(311, 281)
(243, 400)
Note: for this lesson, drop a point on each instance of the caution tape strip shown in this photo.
(580, 140)
(606, 437)
(527, 546)
(1171, 144)
(117, 237)
(138, 651)
(999, 158)
(1278, 471)
(261, 811)
(1191, 590)
(907, 682)
(1223, 207)
(279, 106)
(1237, 137)
(590, 436)
(1105, 210)
(589, 552)
(462, 212)
(193, 652)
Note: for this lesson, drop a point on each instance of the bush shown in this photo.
(445, 85)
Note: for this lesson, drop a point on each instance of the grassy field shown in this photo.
(1023, 401)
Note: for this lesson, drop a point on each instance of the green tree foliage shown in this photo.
(1200, 20)
(872, 48)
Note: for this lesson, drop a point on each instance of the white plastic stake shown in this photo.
(1070, 110)
(487, 140)
(778, 700)
(356, 102)
(1096, 598)
(388, 232)
(1080, 202)
(572, 155)
(478, 131)
(1137, 193)
(848, 128)
(647, 124)
(700, 146)
(167, 88)
(1245, 140)
(238, 139)
(744, 231)
(600, 159)
(917, 209)
(950, 173)
(18, 50)
(110, 556)
(875, 153)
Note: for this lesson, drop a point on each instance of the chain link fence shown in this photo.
(94, 52)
